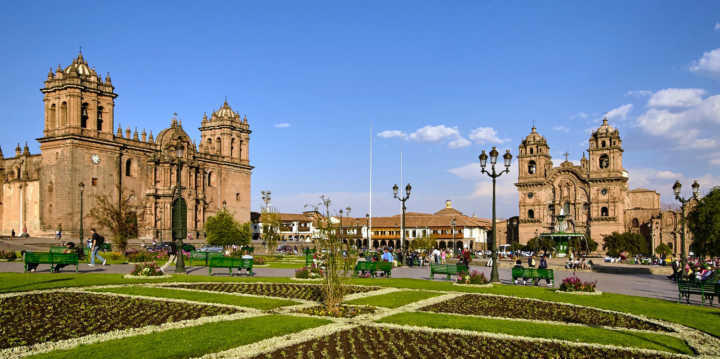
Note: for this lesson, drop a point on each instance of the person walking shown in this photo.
(97, 242)
(58, 233)
(172, 256)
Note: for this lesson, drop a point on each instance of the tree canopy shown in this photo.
(270, 229)
(536, 244)
(425, 242)
(632, 243)
(704, 223)
(223, 230)
(119, 217)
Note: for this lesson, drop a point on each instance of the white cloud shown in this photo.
(505, 186)
(708, 63)
(282, 125)
(434, 133)
(561, 129)
(638, 93)
(619, 113)
(717, 26)
(392, 133)
(674, 97)
(483, 135)
(579, 115)
(662, 181)
(459, 142)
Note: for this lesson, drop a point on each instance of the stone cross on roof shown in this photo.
(566, 155)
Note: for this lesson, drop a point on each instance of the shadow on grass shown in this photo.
(658, 343)
(32, 284)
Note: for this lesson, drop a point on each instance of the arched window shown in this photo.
(99, 118)
(602, 144)
(52, 120)
(128, 168)
(531, 150)
(531, 167)
(63, 114)
(604, 212)
(50, 187)
(566, 207)
(18, 172)
(209, 179)
(218, 144)
(232, 147)
(635, 223)
(604, 161)
(83, 115)
(531, 214)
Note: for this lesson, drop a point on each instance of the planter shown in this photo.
(487, 285)
(130, 276)
(597, 292)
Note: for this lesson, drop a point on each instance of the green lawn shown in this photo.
(285, 265)
(394, 299)
(243, 301)
(192, 341)
(581, 334)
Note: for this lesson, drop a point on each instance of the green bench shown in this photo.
(532, 274)
(203, 256)
(309, 256)
(449, 269)
(706, 289)
(373, 268)
(230, 263)
(51, 258)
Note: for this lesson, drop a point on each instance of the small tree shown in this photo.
(663, 249)
(423, 243)
(704, 223)
(633, 243)
(536, 244)
(223, 230)
(270, 229)
(330, 245)
(582, 244)
(119, 217)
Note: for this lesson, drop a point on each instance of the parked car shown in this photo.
(211, 249)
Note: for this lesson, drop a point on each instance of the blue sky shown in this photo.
(450, 79)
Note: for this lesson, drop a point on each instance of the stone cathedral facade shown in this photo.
(79, 144)
(594, 196)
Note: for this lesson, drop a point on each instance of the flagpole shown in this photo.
(369, 235)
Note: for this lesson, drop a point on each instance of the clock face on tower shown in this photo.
(95, 159)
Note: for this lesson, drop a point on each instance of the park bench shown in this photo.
(203, 256)
(50, 258)
(704, 288)
(532, 274)
(309, 256)
(373, 268)
(449, 269)
(230, 263)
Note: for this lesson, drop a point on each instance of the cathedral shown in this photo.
(594, 196)
(82, 157)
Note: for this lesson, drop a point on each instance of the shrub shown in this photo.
(8, 255)
(150, 269)
(472, 278)
(308, 272)
(574, 284)
(114, 255)
(223, 230)
(141, 257)
(259, 260)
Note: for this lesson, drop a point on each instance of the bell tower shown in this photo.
(78, 101)
(605, 149)
(534, 158)
(225, 135)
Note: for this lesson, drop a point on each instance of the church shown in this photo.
(82, 157)
(594, 196)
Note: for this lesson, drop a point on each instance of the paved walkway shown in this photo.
(646, 285)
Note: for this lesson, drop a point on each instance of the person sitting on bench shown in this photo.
(70, 248)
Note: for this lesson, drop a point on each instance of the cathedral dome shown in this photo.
(79, 67)
(225, 113)
(534, 137)
(605, 130)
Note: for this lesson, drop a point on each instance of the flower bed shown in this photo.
(146, 269)
(283, 290)
(574, 284)
(46, 317)
(308, 272)
(344, 311)
(509, 307)
(381, 342)
(477, 278)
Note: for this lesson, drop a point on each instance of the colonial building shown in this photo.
(593, 195)
(79, 147)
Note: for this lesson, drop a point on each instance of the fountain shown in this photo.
(560, 235)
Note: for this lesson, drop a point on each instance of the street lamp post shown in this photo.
(82, 189)
(179, 212)
(494, 277)
(402, 199)
(683, 201)
(266, 198)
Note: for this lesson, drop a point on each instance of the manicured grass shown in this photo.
(192, 341)
(581, 334)
(699, 317)
(394, 299)
(243, 301)
(285, 265)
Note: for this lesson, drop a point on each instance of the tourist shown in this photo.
(543, 262)
(436, 256)
(12, 233)
(518, 264)
(172, 256)
(531, 261)
(70, 248)
(443, 257)
(387, 256)
(58, 233)
(97, 242)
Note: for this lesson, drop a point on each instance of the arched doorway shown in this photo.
(459, 245)
(442, 245)
(375, 243)
(383, 243)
